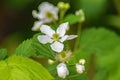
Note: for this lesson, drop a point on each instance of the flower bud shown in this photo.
(80, 68)
(62, 70)
(81, 14)
(67, 5)
(63, 6)
(50, 61)
(82, 61)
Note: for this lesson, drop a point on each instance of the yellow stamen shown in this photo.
(49, 15)
(56, 37)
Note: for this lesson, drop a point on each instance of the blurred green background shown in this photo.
(16, 22)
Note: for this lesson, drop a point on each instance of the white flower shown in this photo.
(80, 68)
(47, 13)
(81, 14)
(56, 38)
(62, 70)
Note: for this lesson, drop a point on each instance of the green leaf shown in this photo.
(43, 50)
(78, 77)
(72, 19)
(100, 48)
(3, 54)
(113, 21)
(21, 68)
(98, 41)
(93, 8)
(25, 49)
(115, 74)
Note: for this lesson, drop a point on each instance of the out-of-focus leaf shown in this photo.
(101, 74)
(111, 64)
(98, 41)
(21, 68)
(3, 53)
(112, 59)
(72, 19)
(115, 74)
(101, 45)
(113, 20)
(93, 8)
(42, 50)
(25, 49)
(78, 77)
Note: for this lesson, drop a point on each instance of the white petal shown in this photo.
(47, 20)
(71, 37)
(44, 39)
(62, 29)
(47, 30)
(45, 6)
(62, 70)
(37, 25)
(80, 68)
(64, 38)
(57, 46)
(35, 14)
(42, 15)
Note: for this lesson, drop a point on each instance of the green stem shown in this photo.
(73, 76)
(54, 22)
(62, 13)
(78, 38)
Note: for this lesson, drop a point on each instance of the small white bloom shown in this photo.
(80, 68)
(56, 38)
(80, 13)
(62, 70)
(47, 12)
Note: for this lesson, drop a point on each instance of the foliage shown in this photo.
(102, 47)
(42, 50)
(3, 54)
(25, 49)
(99, 46)
(21, 68)
(72, 19)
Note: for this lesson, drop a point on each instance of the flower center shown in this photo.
(49, 15)
(63, 54)
(56, 37)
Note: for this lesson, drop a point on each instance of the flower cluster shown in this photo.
(48, 13)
